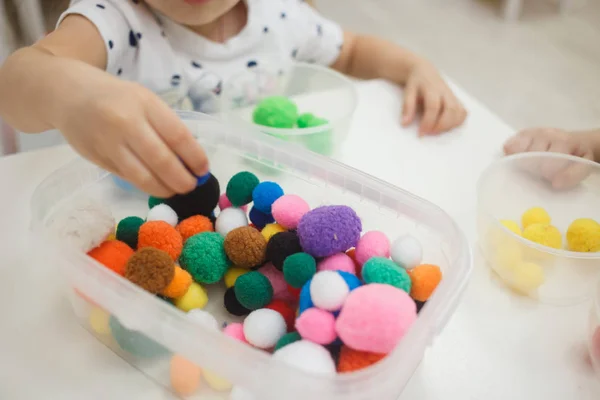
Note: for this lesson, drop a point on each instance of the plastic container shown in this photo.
(315, 89)
(98, 296)
(514, 184)
(594, 331)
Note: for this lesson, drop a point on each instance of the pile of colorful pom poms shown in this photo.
(307, 281)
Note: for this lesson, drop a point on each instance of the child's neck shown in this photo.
(226, 26)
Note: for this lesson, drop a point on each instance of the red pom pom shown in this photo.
(294, 292)
(287, 312)
(352, 254)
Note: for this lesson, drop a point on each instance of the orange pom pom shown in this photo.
(179, 285)
(185, 376)
(113, 254)
(193, 225)
(354, 360)
(425, 279)
(162, 236)
(352, 254)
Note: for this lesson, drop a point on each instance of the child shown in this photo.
(97, 76)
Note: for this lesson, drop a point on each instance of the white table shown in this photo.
(496, 347)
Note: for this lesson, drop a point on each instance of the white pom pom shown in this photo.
(407, 252)
(328, 290)
(307, 356)
(203, 318)
(163, 212)
(264, 327)
(229, 219)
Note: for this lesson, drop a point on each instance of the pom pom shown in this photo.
(352, 254)
(203, 318)
(135, 343)
(236, 331)
(294, 292)
(264, 327)
(317, 326)
(154, 201)
(287, 312)
(420, 305)
(265, 194)
(179, 285)
(200, 201)
(527, 277)
(372, 244)
(512, 226)
(204, 257)
(328, 290)
(99, 321)
(162, 236)
(544, 234)
(307, 356)
(194, 225)
(163, 212)
(298, 269)
(308, 120)
(232, 304)
(185, 376)
(351, 280)
(240, 187)
(151, 269)
(270, 230)
(232, 274)
(113, 254)
(425, 278)
(253, 290)
(230, 219)
(407, 252)
(337, 262)
(276, 112)
(224, 203)
(535, 215)
(354, 360)
(216, 382)
(260, 219)
(281, 246)
(385, 271)
(288, 210)
(245, 247)
(375, 317)
(288, 338)
(127, 230)
(305, 301)
(278, 282)
(584, 235)
(328, 230)
(195, 297)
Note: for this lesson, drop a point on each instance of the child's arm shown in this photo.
(371, 57)
(60, 83)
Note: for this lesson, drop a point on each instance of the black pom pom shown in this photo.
(335, 349)
(282, 245)
(420, 305)
(232, 305)
(201, 201)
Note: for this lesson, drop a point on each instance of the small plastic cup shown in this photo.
(568, 188)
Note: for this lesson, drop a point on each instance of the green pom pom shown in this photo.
(240, 187)
(203, 256)
(134, 342)
(127, 230)
(286, 339)
(308, 120)
(276, 112)
(253, 290)
(154, 201)
(383, 270)
(298, 269)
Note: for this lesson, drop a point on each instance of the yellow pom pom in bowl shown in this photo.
(583, 235)
(544, 234)
(535, 215)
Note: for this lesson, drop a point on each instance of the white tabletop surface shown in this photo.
(497, 346)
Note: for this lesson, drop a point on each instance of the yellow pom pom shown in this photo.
(99, 321)
(216, 382)
(544, 234)
(112, 236)
(535, 215)
(583, 235)
(507, 256)
(512, 226)
(271, 229)
(527, 277)
(195, 297)
(232, 274)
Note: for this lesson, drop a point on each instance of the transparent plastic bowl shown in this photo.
(514, 184)
(315, 89)
(594, 331)
(96, 292)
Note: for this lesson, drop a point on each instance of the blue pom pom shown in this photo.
(135, 342)
(259, 218)
(265, 194)
(351, 280)
(305, 302)
(123, 184)
(201, 180)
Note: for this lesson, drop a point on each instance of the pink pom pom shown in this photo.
(280, 290)
(372, 244)
(317, 325)
(375, 317)
(337, 262)
(288, 210)
(225, 203)
(236, 331)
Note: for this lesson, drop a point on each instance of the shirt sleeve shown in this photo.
(317, 39)
(119, 38)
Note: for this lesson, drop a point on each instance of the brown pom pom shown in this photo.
(151, 269)
(354, 360)
(245, 247)
(193, 225)
(162, 236)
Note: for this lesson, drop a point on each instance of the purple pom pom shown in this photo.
(329, 230)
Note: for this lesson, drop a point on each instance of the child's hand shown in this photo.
(426, 89)
(127, 130)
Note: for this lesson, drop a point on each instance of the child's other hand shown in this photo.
(126, 129)
(425, 89)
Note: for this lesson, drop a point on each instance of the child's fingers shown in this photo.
(572, 175)
(452, 115)
(431, 112)
(130, 168)
(517, 144)
(539, 144)
(409, 109)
